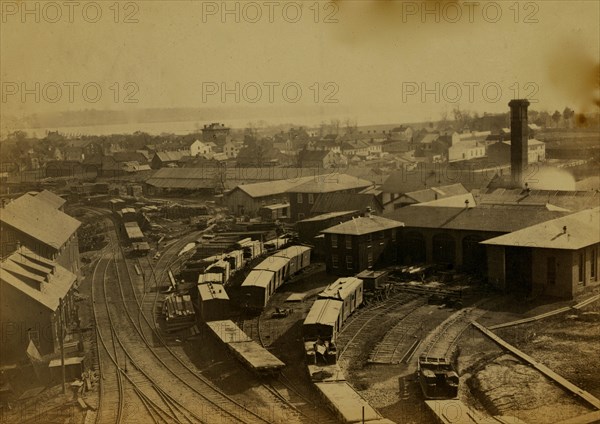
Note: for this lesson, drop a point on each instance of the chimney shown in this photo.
(519, 134)
(368, 212)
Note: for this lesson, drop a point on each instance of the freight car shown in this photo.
(437, 377)
(349, 291)
(299, 258)
(254, 356)
(133, 232)
(213, 301)
(257, 289)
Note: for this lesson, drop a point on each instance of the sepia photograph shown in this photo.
(300, 212)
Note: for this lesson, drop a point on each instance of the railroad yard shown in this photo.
(145, 368)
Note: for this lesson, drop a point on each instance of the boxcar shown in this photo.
(349, 291)
(257, 288)
(223, 267)
(324, 320)
(236, 259)
(210, 277)
(299, 257)
(279, 266)
(213, 301)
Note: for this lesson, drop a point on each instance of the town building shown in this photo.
(199, 148)
(37, 223)
(232, 148)
(321, 159)
(452, 235)
(310, 228)
(558, 257)
(340, 201)
(360, 243)
(302, 197)
(500, 152)
(216, 133)
(167, 158)
(36, 294)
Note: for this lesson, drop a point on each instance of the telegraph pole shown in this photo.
(62, 344)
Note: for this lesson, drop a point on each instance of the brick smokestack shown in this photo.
(519, 136)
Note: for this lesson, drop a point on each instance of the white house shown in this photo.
(200, 148)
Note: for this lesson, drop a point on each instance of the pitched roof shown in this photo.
(312, 155)
(130, 157)
(212, 291)
(324, 312)
(171, 155)
(52, 199)
(354, 144)
(429, 138)
(571, 232)
(327, 216)
(364, 225)
(501, 219)
(571, 200)
(435, 193)
(336, 201)
(330, 183)
(38, 219)
(424, 176)
(23, 267)
(457, 201)
(272, 188)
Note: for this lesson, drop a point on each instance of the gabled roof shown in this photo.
(457, 201)
(341, 288)
(330, 183)
(426, 176)
(326, 216)
(272, 188)
(434, 193)
(571, 232)
(23, 267)
(312, 155)
(129, 157)
(40, 220)
(52, 199)
(336, 201)
(429, 138)
(364, 225)
(171, 156)
(493, 219)
(354, 144)
(324, 312)
(571, 200)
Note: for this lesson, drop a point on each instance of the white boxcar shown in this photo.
(324, 320)
(279, 266)
(299, 257)
(257, 289)
(348, 290)
(223, 267)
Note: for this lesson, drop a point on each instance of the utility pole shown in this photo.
(62, 343)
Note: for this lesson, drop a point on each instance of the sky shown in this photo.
(370, 61)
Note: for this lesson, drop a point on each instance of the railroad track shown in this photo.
(442, 341)
(210, 404)
(364, 322)
(401, 341)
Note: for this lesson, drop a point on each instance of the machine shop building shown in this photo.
(558, 257)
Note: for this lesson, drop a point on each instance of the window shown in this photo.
(594, 270)
(370, 260)
(334, 240)
(334, 261)
(299, 198)
(348, 242)
(349, 262)
(581, 267)
(311, 198)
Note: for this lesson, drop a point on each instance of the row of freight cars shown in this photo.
(327, 316)
(204, 260)
(320, 329)
(266, 277)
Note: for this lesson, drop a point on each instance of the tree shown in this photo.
(568, 114)
(556, 117)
